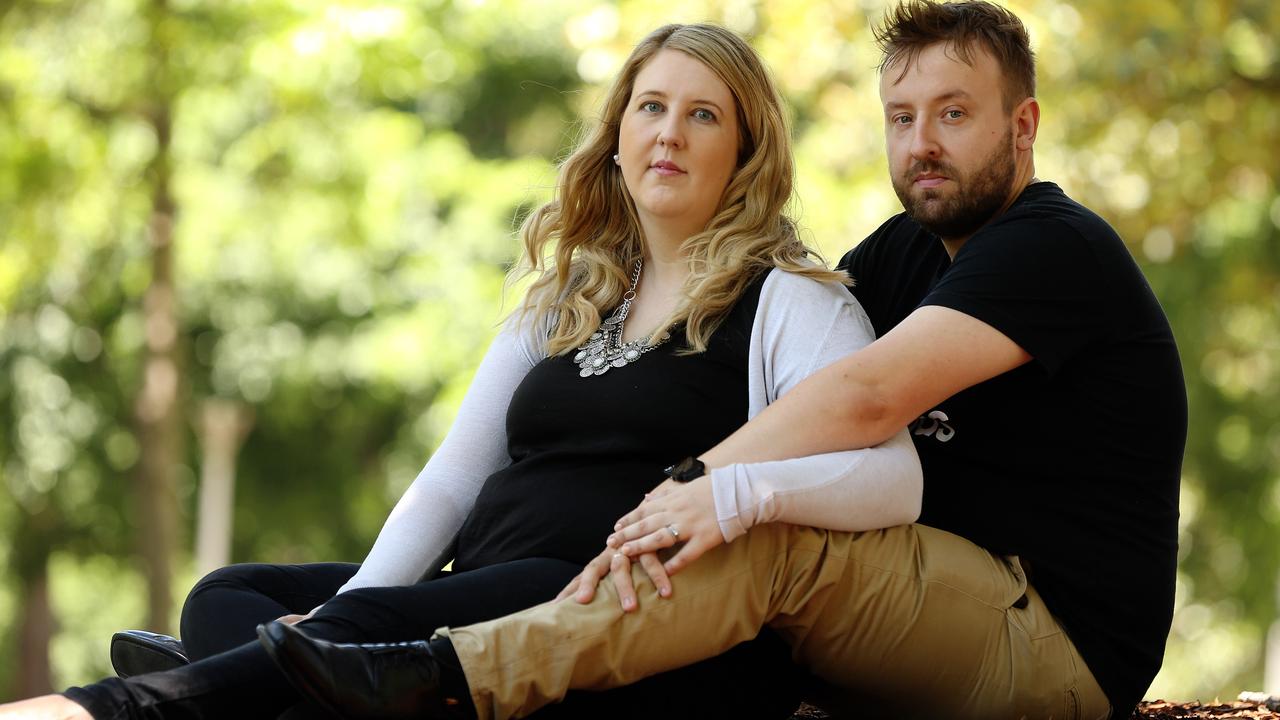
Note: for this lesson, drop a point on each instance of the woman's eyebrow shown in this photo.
(663, 95)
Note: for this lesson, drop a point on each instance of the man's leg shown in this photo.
(911, 620)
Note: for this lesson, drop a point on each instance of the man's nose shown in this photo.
(924, 142)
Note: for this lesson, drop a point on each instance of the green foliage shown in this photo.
(347, 178)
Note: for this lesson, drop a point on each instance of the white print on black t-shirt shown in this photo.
(934, 425)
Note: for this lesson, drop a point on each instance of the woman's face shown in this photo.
(678, 142)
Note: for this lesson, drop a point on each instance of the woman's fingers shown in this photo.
(634, 517)
(646, 506)
(620, 568)
(691, 551)
(635, 531)
(663, 537)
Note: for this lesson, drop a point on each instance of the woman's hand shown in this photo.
(673, 513)
(611, 562)
(292, 619)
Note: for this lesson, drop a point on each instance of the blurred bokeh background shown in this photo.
(251, 251)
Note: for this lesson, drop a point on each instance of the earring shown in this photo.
(617, 160)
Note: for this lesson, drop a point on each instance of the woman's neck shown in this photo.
(661, 285)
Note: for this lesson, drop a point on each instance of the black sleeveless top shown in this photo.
(584, 451)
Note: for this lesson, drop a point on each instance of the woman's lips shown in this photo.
(666, 168)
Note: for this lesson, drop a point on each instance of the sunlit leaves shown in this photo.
(348, 175)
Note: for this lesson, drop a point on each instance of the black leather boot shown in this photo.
(378, 681)
(136, 652)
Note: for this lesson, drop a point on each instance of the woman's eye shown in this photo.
(704, 115)
(651, 106)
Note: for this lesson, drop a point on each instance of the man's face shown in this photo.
(949, 140)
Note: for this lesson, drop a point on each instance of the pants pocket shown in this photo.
(1072, 704)
(1018, 593)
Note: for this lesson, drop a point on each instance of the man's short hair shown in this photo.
(914, 25)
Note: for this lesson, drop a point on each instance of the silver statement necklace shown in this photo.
(605, 349)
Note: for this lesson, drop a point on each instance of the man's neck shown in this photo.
(953, 244)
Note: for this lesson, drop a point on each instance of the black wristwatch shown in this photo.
(690, 468)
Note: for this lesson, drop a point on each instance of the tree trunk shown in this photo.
(35, 610)
(1271, 680)
(223, 425)
(156, 407)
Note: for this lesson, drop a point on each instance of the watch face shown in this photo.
(688, 469)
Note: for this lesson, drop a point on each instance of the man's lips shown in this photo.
(666, 167)
(929, 180)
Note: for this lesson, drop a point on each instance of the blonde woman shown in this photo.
(672, 300)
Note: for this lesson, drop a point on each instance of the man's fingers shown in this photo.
(590, 577)
(653, 567)
(568, 589)
(620, 568)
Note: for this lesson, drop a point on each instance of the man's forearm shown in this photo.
(862, 399)
(828, 412)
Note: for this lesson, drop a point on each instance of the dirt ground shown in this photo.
(1153, 710)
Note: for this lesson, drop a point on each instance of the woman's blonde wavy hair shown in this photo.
(592, 223)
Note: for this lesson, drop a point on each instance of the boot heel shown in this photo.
(137, 652)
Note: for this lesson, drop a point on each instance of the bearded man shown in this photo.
(1021, 343)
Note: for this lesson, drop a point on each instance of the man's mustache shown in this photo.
(921, 167)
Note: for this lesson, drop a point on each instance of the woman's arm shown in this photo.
(868, 489)
(424, 522)
(801, 326)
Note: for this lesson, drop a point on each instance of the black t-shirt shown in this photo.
(1072, 461)
(584, 451)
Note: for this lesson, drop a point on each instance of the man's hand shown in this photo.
(612, 562)
(673, 513)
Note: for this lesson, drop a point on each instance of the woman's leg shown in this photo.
(415, 612)
(222, 610)
(244, 683)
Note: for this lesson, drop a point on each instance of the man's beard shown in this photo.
(979, 195)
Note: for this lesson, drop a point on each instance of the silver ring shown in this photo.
(675, 534)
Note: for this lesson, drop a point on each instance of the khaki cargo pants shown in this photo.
(909, 621)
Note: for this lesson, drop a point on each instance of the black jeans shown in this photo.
(231, 675)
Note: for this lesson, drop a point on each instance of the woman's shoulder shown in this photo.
(527, 333)
(793, 302)
(797, 289)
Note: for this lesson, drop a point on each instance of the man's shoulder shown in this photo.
(898, 233)
(1044, 207)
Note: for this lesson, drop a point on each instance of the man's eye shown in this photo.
(955, 114)
(901, 119)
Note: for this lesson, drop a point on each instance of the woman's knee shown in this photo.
(232, 577)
